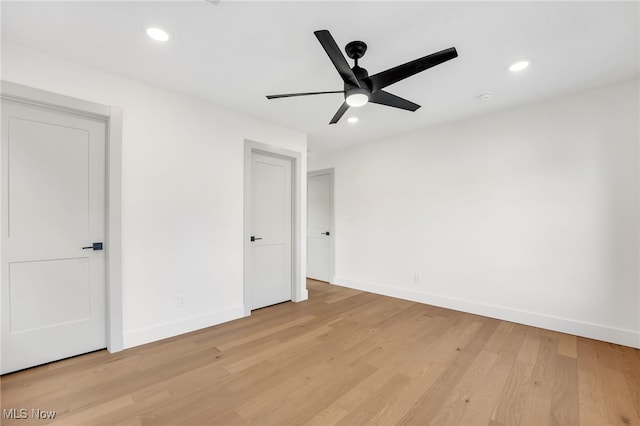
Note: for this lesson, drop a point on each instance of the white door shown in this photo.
(319, 233)
(53, 205)
(271, 231)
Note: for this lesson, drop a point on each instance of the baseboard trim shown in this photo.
(564, 325)
(185, 325)
(304, 295)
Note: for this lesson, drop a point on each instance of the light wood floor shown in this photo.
(343, 357)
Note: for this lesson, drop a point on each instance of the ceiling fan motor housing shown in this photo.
(362, 76)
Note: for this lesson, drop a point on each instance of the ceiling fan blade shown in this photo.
(332, 49)
(385, 98)
(393, 75)
(288, 95)
(343, 108)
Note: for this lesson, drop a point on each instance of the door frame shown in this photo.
(112, 117)
(298, 223)
(332, 240)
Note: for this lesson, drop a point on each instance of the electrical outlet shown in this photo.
(181, 300)
(416, 278)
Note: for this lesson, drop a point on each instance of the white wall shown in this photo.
(529, 215)
(182, 194)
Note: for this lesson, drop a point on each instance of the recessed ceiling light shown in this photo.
(157, 34)
(519, 65)
(353, 120)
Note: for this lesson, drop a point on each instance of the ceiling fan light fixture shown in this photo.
(357, 97)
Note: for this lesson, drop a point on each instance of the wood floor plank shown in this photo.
(406, 398)
(591, 391)
(567, 345)
(264, 333)
(378, 402)
(86, 416)
(342, 357)
(620, 407)
(483, 395)
(434, 397)
(537, 406)
(564, 397)
(631, 370)
(318, 396)
(361, 393)
(536, 411)
(329, 416)
(275, 350)
(260, 404)
(510, 406)
(463, 394)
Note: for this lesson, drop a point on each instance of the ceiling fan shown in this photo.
(359, 88)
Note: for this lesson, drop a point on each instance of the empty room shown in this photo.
(454, 238)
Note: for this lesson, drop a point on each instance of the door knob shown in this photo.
(253, 238)
(94, 246)
(326, 233)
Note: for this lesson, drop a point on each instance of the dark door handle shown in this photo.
(255, 238)
(326, 233)
(94, 246)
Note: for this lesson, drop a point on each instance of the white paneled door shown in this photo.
(271, 230)
(53, 211)
(319, 233)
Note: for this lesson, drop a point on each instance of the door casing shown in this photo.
(298, 231)
(112, 116)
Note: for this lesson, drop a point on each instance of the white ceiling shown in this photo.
(236, 52)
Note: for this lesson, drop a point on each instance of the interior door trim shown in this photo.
(298, 220)
(112, 116)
